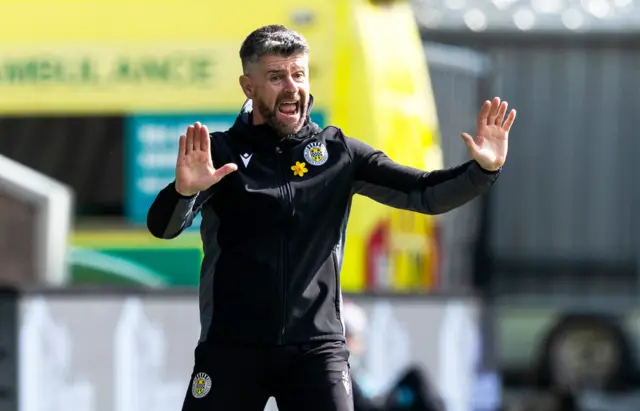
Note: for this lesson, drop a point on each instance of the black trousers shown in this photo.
(233, 377)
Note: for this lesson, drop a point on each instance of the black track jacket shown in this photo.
(273, 231)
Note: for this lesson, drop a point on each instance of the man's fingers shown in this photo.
(510, 119)
(197, 127)
(190, 138)
(182, 146)
(205, 141)
(501, 112)
(493, 113)
(224, 170)
(484, 114)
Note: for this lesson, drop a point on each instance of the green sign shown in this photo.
(132, 257)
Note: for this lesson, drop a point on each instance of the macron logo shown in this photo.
(246, 157)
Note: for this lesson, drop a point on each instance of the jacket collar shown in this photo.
(264, 135)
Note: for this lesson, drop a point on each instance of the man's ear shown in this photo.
(247, 87)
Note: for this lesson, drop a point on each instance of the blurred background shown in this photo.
(524, 299)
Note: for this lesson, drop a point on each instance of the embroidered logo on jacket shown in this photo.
(246, 157)
(316, 153)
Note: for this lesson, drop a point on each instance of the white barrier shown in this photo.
(54, 202)
(128, 352)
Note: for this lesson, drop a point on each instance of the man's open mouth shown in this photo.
(289, 108)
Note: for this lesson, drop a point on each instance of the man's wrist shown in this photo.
(488, 170)
(181, 192)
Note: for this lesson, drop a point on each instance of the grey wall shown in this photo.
(457, 80)
(569, 186)
(561, 217)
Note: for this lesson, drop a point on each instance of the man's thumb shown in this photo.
(226, 169)
(468, 140)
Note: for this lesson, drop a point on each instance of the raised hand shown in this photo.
(194, 168)
(490, 146)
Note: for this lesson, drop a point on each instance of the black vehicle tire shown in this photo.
(585, 352)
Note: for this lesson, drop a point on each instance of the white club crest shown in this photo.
(316, 153)
(201, 385)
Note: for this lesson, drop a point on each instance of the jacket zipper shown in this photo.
(338, 297)
(286, 195)
(336, 275)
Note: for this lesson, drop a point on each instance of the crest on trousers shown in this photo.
(201, 385)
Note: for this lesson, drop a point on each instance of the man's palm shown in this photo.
(490, 147)
(194, 168)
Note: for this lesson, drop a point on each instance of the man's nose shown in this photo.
(290, 85)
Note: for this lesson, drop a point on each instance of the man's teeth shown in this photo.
(289, 107)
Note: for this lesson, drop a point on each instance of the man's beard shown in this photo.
(269, 115)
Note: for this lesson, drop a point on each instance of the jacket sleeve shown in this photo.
(171, 213)
(436, 192)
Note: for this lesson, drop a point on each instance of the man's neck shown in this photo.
(255, 120)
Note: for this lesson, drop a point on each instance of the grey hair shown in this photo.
(273, 39)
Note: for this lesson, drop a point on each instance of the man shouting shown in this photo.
(275, 192)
